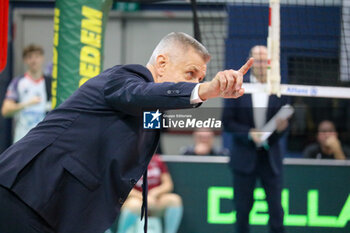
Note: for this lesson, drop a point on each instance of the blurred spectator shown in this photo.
(328, 145)
(27, 97)
(161, 202)
(251, 157)
(203, 144)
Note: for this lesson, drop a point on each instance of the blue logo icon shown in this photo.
(313, 91)
(151, 120)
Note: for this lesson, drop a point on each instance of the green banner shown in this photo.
(79, 28)
(315, 199)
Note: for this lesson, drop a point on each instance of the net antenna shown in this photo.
(274, 85)
(273, 49)
(196, 29)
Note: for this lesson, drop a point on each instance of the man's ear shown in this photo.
(161, 63)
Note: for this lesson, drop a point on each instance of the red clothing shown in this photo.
(154, 172)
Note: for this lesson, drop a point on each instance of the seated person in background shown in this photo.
(204, 144)
(160, 201)
(328, 145)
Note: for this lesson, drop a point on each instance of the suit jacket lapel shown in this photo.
(250, 110)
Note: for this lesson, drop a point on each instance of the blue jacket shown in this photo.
(238, 119)
(78, 165)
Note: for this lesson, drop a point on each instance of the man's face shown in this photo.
(34, 60)
(188, 67)
(259, 68)
(325, 130)
(204, 137)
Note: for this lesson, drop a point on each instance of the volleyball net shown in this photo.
(308, 42)
(308, 53)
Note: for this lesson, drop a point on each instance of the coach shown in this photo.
(74, 170)
(251, 158)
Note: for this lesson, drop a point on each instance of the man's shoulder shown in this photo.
(311, 150)
(138, 70)
(187, 150)
(16, 80)
(130, 71)
(313, 146)
(12, 89)
(120, 73)
(220, 151)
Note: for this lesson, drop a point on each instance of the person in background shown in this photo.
(251, 157)
(203, 144)
(27, 97)
(161, 202)
(328, 145)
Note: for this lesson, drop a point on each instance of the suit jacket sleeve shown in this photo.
(230, 120)
(232, 125)
(132, 94)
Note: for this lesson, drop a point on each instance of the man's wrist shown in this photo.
(195, 99)
(337, 150)
(203, 91)
(339, 154)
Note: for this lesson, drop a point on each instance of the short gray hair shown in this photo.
(178, 40)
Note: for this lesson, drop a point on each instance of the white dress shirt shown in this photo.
(260, 103)
(195, 99)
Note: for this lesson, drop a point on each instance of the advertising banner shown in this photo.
(79, 28)
(314, 198)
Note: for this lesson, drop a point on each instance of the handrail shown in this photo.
(225, 159)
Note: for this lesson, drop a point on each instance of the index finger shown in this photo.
(244, 69)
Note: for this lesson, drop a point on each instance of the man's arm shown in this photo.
(133, 94)
(11, 107)
(335, 145)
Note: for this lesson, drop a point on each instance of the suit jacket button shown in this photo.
(121, 201)
(177, 92)
(133, 181)
(169, 92)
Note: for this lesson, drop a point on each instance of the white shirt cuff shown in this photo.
(195, 99)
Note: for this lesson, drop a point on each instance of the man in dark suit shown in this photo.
(252, 158)
(74, 170)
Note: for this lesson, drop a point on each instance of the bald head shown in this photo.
(259, 68)
(175, 45)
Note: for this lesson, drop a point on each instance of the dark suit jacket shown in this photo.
(238, 119)
(77, 166)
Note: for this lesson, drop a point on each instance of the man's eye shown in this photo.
(190, 74)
